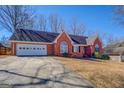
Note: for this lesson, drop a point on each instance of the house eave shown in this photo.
(30, 42)
(43, 42)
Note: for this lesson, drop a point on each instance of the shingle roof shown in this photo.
(116, 48)
(41, 36)
(1, 45)
(4, 45)
(91, 39)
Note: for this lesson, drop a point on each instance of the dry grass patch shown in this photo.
(3, 56)
(100, 73)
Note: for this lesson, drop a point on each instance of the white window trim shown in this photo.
(76, 48)
(97, 47)
(64, 49)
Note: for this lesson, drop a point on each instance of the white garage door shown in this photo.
(28, 49)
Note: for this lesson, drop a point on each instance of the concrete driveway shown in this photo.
(44, 72)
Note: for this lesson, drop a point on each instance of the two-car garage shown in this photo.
(31, 50)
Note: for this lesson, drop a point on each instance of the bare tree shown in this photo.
(13, 17)
(5, 40)
(63, 25)
(42, 23)
(77, 28)
(54, 22)
(74, 26)
(115, 41)
(81, 29)
(119, 15)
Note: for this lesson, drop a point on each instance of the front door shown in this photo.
(87, 51)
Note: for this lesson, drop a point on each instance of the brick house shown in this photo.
(29, 42)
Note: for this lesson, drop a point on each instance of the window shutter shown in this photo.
(79, 48)
(72, 48)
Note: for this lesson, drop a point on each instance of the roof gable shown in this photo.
(91, 40)
(61, 35)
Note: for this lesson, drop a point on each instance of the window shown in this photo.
(63, 47)
(76, 48)
(20, 48)
(97, 48)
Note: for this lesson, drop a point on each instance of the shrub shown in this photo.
(99, 56)
(65, 54)
(96, 55)
(105, 57)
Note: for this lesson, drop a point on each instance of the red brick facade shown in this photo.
(97, 41)
(54, 47)
(62, 38)
(49, 47)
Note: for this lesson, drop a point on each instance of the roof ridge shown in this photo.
(37, 31)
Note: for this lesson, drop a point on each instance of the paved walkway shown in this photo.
(44, 72)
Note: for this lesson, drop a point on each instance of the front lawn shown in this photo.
(100, 73)
(3, 56)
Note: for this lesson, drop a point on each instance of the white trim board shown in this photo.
(44, 43)
(30, 42)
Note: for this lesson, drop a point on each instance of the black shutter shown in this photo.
(72, 48)
(79, 48)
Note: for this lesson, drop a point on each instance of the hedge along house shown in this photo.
(37, 43)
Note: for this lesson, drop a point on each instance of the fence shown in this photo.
(5, 51)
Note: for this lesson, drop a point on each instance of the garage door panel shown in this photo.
(28, 49)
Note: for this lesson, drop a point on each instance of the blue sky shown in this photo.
(96, 18)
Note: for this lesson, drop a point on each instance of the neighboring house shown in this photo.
(117, 57)
(29, 42)
(116, 52)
